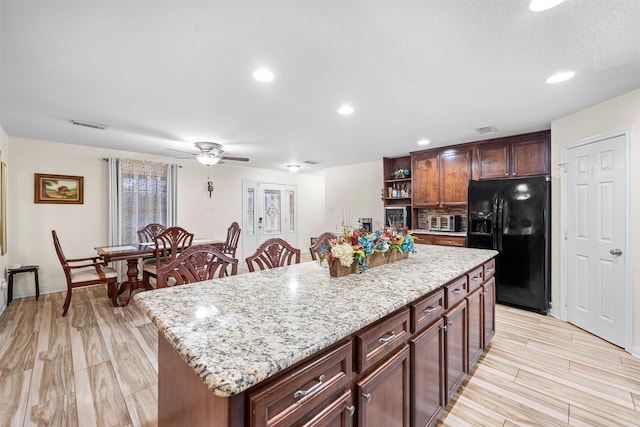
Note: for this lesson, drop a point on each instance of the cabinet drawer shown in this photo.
(288, 398)
(427, 311)
(450, 241)
(489, 268)
(476, 277)
(379, 340)
(425, 239)
(456, 291)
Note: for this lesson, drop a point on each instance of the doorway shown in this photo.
(270, 210)
(595, 245)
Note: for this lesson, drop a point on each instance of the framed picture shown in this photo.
(65, 189)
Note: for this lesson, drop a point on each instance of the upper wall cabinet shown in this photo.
(440, 177)
(397, 181)
(515, 156)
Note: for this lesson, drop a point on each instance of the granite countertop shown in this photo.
(440, 233)
(236, 331)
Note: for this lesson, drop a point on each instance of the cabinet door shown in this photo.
(455, 172)
(476, 326)
(339, 413)
(456, 347)
(493, 161)
(427, 373)
(425, 179)
(489, 315)
(425, 239)
(530, 158)
(383, 395)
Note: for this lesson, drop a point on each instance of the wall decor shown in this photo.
(65, 189)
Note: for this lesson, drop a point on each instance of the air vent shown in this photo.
(486, 129)
(311, 162)
(89, 124)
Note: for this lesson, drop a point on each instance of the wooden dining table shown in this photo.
(133, 253)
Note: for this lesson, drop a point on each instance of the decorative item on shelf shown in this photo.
(359, 250)
(401, 174)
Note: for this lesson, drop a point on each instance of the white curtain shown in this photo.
(140, 192)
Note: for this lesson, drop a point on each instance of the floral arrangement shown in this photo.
(360, 244)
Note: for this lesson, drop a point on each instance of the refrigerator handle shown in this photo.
(494, 224)
(500, 225)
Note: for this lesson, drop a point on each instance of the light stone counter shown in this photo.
(236, 331)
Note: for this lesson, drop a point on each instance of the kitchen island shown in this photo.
(222, 341)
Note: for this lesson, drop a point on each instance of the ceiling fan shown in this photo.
(211, 153)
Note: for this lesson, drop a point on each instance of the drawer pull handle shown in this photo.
(383, 340)
(313, 389)
(429, 310)
(351, 410)
(367, 396)
(457, 291)
(474, 278)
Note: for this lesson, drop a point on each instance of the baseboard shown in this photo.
(635, 352)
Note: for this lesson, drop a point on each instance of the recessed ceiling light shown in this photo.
(345, 110)
(540, 5)
(423, 142)
(560, 77)
(263, 75)
(293, 168)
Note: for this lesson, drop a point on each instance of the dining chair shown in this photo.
(149, 232)
(168, 244)
(84, 272)
(273, 253)
(195, 264)
(231, 243)
(321, 245)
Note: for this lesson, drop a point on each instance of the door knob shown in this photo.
(616, 252)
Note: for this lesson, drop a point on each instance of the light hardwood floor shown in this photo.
(98, 367)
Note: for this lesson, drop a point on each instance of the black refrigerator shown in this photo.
(513, 216)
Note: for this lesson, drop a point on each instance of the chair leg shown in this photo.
(67, 301)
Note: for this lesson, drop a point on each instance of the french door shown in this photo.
(270, 210)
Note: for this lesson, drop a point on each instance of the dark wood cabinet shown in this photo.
(397, 181)
(455, 347)
(440, 177)
(475, 320)
(489, 310)
(427, 373)
(514, 156)
(425, 239)
(339, 413)
(383, 395)
(459, 241)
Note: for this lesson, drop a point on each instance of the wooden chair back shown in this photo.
(84, 272)
(169, 243)
(231, 243)
(196, 264)
(273, 253)
(149, 232)
(321, 245)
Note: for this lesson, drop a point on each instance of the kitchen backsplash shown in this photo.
(423, 223)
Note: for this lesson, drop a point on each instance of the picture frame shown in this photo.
(59, 189)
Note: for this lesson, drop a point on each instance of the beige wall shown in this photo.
(618, 114)
(353, 192)
(82, 227)
(4, 156)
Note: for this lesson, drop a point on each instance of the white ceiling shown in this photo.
(165, 74)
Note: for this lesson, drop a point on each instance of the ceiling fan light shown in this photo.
(207, 159)
(293, 168)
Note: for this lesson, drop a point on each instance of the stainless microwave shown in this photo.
(444, 222)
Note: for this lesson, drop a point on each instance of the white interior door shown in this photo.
(270, 211)
(597, 291)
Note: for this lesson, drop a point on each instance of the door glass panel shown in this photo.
(292, 211)
(250, 220)
(272, 212)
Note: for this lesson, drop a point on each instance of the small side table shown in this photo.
(24, 269)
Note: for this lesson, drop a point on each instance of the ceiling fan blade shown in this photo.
(180, 151)
(237, 159)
